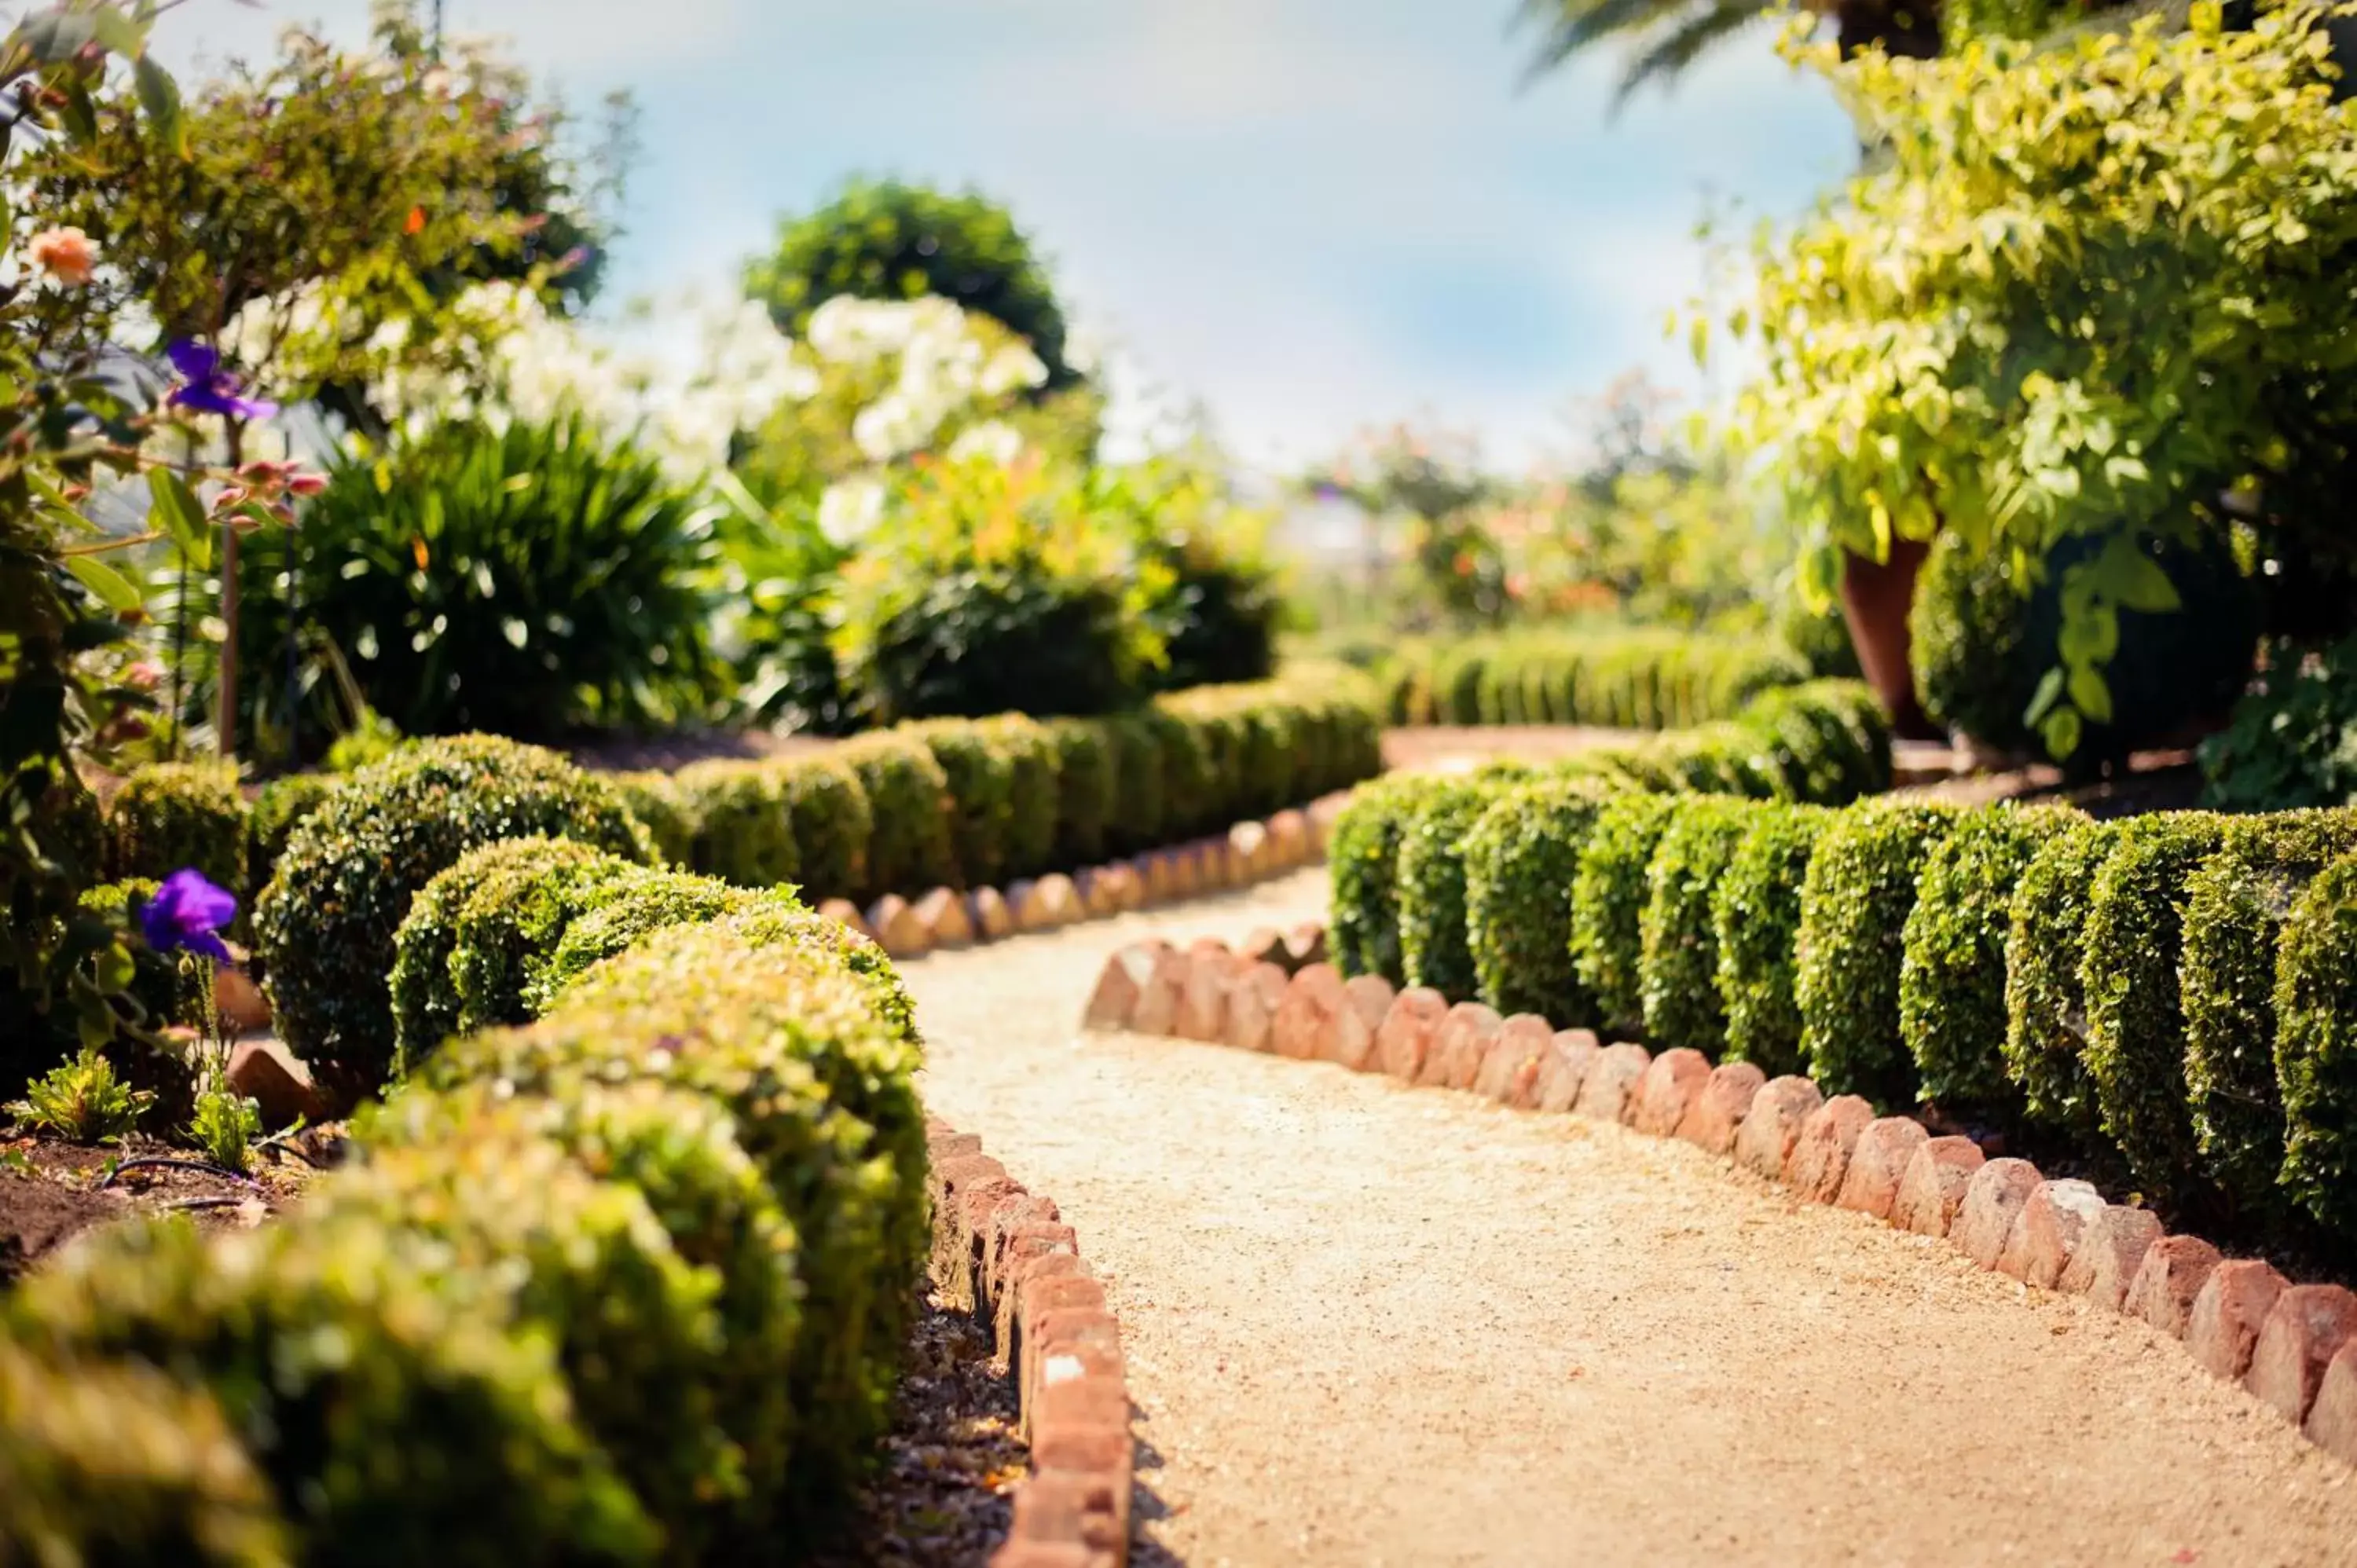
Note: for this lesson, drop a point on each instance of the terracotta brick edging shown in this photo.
(1004, 1254)
(2293, 1347)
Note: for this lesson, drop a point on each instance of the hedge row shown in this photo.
(627, 1285)
(2174, 995)
(1626, 678)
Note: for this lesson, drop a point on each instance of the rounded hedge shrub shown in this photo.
(1190, 781)
(910, 848)
(278, 811)
(1608, 893)
(832, 824)
(1520, 857)
(1677, 965)
(780, 922)
(1755, 921)
(325, 926)
(1951, 977)
(2235, 909)
(744, 829)
(106, 1463)
(1087, 799)
(169, 815)
(1034, 807)
(1854, 906)
(1433, 947)
(2316, 1047)
(1363, 876)
(659, 803)
(425, 1003)
(981, 775)
(2045, 1007)
(511, 924)
(1141, 782)
(397, 1414)
(614, 915)
(636, 1327)
(2127, 968)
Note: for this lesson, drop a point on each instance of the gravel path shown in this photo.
(1372, 1326)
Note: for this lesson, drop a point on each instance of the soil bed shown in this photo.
(50, 1190)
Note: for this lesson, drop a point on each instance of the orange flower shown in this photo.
(66, 254)
(416, 221)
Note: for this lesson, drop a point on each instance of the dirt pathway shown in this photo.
(1372, 1325)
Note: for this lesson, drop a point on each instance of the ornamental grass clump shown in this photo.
(1433, 947)
(2316, 1047)
(1521, 855)
(1952, 976)
(1854, 902)
(1608, 893)
(1677, 966)
(2236, 907)
(1755, 921)
(2045, 1006)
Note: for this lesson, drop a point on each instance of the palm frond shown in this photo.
(1664, 56)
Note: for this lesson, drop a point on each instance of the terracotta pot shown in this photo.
(1874, 598)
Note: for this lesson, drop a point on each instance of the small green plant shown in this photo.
(82, 1101)
(225, 1126)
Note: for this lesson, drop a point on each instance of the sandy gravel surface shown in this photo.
(1373, 1325)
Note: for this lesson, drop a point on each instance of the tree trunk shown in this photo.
(1875, 599)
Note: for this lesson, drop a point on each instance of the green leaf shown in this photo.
(2091, 694)
(181, 516)
(2134, 580)
(2050, 691)
(114, 590)
(2061, 732)
(160, 98)
(56, 35)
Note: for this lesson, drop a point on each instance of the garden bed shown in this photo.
(51, 1190)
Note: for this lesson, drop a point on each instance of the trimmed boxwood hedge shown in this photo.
(832, 824)
(325, 925)
(1088, 800)
(1677, 964)
(2045, 1006)
(743, 832)
(2316, 1047)
(658, 801)
(1431, 879)
(2235, 908)
(1951, 977)
(513, 920)
(2127, 968)
(1520, 857)
(278, 811)
(1608, 893)
(911, 846)
(616, 914)
(1035, 809)
(1755, 920)
(1362, 872)
(169, 815)
(1642, 678)
(1854, 902)
(978, 776)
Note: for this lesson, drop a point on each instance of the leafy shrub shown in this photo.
(2293, 741)
(1088, 799)
(1035, 812)
(910, 847)
(1627, 677)
(832, 824)
(779, 922)
(1433, 947)
(2127, 968)
(1362, 856)
(1755, 920)
(1820, 638)
(1189, 781)
(635, 1327)
(396, 1414)
(1520, 857)
(616, 914)
(83, 1101)
(2045, 1005)
(169, 815)
(524, 581)
(326, 924)
(2236, 906)
(1677, 968)
(743, 827)
(2316, 1066)
(167, 995)
(105, 1464)
(1951, 977)
(1218, 619)
(1608, 893)
(981, 779)
(662, 808)
(1853, 907)
(1146, 816)
(278, 811)
(513, 921)
(1829, 738)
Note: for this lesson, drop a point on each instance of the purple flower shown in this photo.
(209, 389)
(187, 914)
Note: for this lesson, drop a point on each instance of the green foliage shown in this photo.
(395, 1411)
(2236, 907)
(980, 773)
(170, 815)
(83, 1101)
(512, 921)
(1755, 918)
(1088, 796)
(278, 811)
(832, 824)
(910, 847)
(324, 927)
(426, 1002)
(663, 808)
(1820, 638)
(2292, 741)
(1677, 968)
(744, 825)
(2136, 1029)
(1855, 902)
(2316, 1046)
(1983, 636)
(525, 581)
(1952, 976)
(225, 1126)
(1035, 809)
(1521, 855)
(2045, 1004)
(2085, 290)
(1830, 737)
(1626, 678)
(1143, 767)
(1608, 894)
(885, 239)
(116, 1463)
(616, 914)
(1433, 951)
(1362, 856)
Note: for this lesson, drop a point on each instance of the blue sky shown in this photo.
(1309, 214)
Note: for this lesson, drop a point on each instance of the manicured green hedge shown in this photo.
(911, 846)
(2235, 908)
(617, 914)
(1035, 812)
(1854, 906)
(1088, 798)
(658, 802)
(2316, 1047)
(514, 920)
(325, 925)
(1755, 920)
(1608, 894)
(1520, 857)
(2136, 1030)
(1363, 862)
(1433, 951)
(832, 822)
(2045, 1006)
(278, 811)
(744, 833)
(169, 815)
(1677, 965)
(1951, 977)
(978, 780)
(1628, 678)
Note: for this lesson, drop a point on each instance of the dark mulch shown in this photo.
(51, 1190)
(2153, 782)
